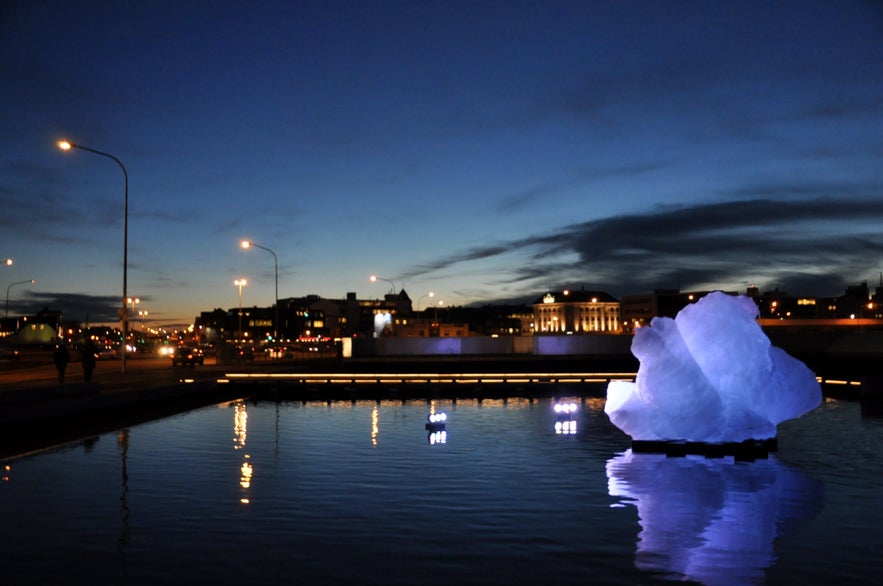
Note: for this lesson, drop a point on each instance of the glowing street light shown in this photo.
(248, 244)
(133, 301)
(31, 281)
(124, 317)
(8, 262)
(375, 278)
(240, 283)
(430, 294)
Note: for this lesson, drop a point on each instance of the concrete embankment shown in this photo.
(54, 416)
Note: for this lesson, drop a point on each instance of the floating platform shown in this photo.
(747, 450)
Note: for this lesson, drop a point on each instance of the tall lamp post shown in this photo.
(124, 317)
(375, 278)
(133, 301)
(249, 244)
(31, 281)
(240, 283)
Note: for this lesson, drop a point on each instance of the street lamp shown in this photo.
(248, 244)
(240, 283)
(31, 281)
(430, 294)
(133, 301)
(375, 278)
(124, 317)
(8, 262)
(142, 314)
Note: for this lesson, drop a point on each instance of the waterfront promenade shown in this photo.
(37, 412)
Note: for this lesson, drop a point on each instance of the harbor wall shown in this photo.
(586, 344)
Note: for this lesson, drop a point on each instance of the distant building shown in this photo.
(301, 317)
(220, 325)
(776, 308)
(309, 316)
(46, 327)
(353, 317)
(498, 320)
(576, 312)
(214, 326)
(428, 328)
(856, 303)
(37, 333)
(638, 310)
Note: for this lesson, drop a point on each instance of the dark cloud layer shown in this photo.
(73, 306)
(796, 245)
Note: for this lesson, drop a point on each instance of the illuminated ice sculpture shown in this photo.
(710, 375)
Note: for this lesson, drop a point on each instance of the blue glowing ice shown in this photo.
(710, 375)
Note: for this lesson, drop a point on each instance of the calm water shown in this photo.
(296, 493)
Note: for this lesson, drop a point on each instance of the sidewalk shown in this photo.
(108, 375)
(36, 412)
(32, 392)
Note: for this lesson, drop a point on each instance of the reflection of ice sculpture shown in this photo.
(710, 375)
(712, 521)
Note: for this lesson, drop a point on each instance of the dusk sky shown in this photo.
(484, 150)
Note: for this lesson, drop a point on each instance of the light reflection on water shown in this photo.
(280, 493)
(709, 520)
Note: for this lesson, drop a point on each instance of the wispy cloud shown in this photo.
(773, 243)
(514, 202)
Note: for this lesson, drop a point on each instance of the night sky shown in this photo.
(486, 151)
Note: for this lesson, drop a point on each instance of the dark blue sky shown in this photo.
(481, 150)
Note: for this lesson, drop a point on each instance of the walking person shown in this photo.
(61, 358)
(88, 360)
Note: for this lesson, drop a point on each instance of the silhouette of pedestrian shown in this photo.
(88, 359)
(61, 358)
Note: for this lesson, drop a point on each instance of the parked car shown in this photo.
(105, 353)
(185, 355)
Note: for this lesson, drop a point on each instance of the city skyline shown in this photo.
(484, 151)
(854, 297)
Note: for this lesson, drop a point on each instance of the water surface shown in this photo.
(286, 493)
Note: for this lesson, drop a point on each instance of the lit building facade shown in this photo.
(576, 312)
(639, 310)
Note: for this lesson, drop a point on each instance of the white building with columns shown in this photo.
(576, 312)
